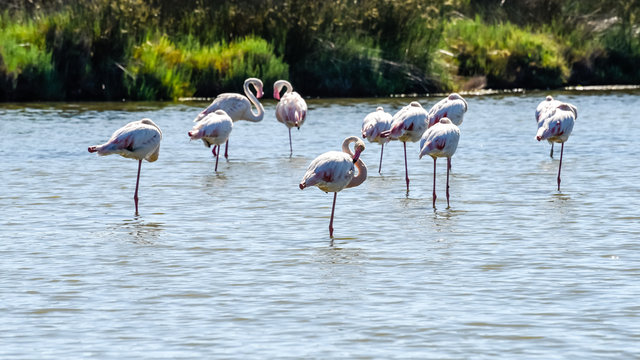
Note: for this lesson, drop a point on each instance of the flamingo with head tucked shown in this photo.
(440, 140)
(557, 127)
(213, 129)
(291, 110)
(543, 110)
(136, 140)
(452, 107)
(237, 106)
(373, 125)
(334, 171)
(408, 124)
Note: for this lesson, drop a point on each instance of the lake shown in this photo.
(239, 263)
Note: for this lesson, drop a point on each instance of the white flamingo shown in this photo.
(440, 140)
(373, 125)
(453, 107)
(291, 110)
(543, 110)
(136, 140)
(213, 129)
(237, 106)
(557, 127)
(335, 170)
(408, 125)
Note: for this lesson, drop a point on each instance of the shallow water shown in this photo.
(239, 264)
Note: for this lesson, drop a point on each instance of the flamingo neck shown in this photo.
(361, 176)
(255, 117)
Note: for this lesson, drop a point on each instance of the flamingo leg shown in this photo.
(434, 182)
(448, 167)
(226, 150)
(380, 166)
(560, 166)
(551, 152)
(333, 208)
(135, 195)
(290, 146)
(406, 171)
(217, 154)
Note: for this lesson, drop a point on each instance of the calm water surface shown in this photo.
(239, 264)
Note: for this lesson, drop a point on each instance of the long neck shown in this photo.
(361, 176)
(254, 117)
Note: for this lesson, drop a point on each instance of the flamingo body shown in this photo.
(452, 107)
(440, 140)
(137, 140)
(291, 110)
(556, 127)
(334, 171)
(214, 129)
(543, 110)
(373, 125)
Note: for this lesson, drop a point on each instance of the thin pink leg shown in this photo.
(406, 171)
(551, 152)
(135, 195)
(560, 166)
(380, 166)
(448, 167)
(217, 154)
(290, 146)
(333, 208)
(226, 150)
(434, 182)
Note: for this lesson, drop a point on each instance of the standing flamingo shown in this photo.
(334, 171)
(440, 140)
(373, 125)
(291, 110)
(453, 107)
(213, 129)
(408, 125)
(543, 110)
(237, 106)
(557, 127)
(136, 140)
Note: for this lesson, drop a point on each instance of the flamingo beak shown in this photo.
(276, 95)
(356, 156)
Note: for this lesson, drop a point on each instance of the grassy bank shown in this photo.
(161, 49)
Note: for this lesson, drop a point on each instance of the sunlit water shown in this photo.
(239, 264)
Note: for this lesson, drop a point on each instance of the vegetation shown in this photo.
(163, 49)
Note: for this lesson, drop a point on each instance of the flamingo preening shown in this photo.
(408, 124)
(136, 140)
(334, 171)
(373, 125)
(237, 106)
(452, 107)
(543, 110)
(440, 140)
(557, 127)
(213, 129)
(291, 110)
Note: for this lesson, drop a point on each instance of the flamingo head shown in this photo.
(276, 94)
(359, 148)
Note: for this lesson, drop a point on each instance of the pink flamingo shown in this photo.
(213, 129)
(557, 127)
(136, 140)
(334, 171)
(237, 106)
(373, 125)
(453, 107)
(408, 125)
(440, 140)
(291, 110)
(543, 110)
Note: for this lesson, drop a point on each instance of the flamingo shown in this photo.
(237, 106)
(213, 129)
(557, 127)
(408, 125)
(373, 125)
(291, 110)
(453, 107)
(542, 111)
(334, 171)
(440, 140)
(136, 140)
